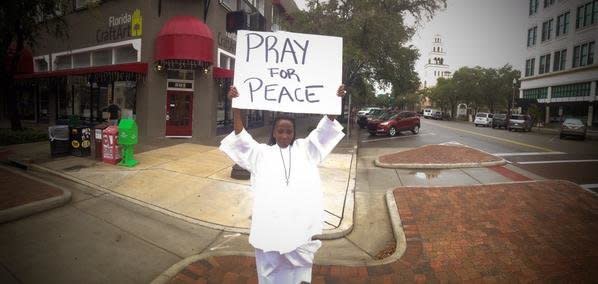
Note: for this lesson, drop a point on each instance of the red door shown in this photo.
(179, 113)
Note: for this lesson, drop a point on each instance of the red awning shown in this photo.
(137, 67)
(185, 38)
(25, 64)
(221, 73)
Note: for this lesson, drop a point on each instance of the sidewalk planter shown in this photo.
(59, 140)
(110, 148)
(80, 141)
(128, 138)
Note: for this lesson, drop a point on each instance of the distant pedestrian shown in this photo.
(114, 111)
(288, 204)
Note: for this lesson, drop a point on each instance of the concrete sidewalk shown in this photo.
(192, 181)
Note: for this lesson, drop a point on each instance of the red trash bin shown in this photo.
(110, 148)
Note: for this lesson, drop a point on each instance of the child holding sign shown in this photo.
(288, 202)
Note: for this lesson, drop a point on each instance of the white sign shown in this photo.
(288, 72)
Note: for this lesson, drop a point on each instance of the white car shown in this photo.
(428, 112)
(366, 110)
(483, 118)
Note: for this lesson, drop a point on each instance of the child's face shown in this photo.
(284, 132)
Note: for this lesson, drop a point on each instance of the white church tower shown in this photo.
(436, 66)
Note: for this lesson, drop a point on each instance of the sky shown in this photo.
(488, 33)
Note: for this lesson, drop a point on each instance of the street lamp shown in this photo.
(513, 96)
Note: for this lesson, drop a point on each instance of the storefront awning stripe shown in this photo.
(221, 73)
(137, 67)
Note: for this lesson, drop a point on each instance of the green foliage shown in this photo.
(374, 40)
(27, 135)
(488, 89)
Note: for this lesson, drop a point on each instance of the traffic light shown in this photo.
(235, 21)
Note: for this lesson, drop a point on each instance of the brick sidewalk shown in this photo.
(533, 231)
(16, 190)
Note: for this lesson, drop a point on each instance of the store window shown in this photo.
(40, 64)
(125, 54)
(102, 57)
(27, 103)
(43, 105)
(81, 60)
(82, 4)
(124, 96)
(62, 62)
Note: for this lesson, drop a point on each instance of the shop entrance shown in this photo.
(179, 113)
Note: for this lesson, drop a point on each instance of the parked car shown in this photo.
(520, 122)
(500, 120)
(573, 127)
(437, 115)
(483, 118)
(428, 112)
(395, 123)
(362, 120)
(365, 111)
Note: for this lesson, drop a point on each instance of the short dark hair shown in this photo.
(276, 120)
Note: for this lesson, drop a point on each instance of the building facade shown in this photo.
(436, 66)
(167, 64)
(561, 71)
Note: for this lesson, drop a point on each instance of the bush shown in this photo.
(27, 135)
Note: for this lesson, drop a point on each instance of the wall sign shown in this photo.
(288, 72)
(121, 27)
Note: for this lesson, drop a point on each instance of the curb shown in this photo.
(344, 228)
(35, 207)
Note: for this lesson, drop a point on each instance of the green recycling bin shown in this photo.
(127, 138)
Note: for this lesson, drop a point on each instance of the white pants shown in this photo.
(289, 268)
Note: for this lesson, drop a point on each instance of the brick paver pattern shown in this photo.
(438, 154)
(516, 232)
(16, 190)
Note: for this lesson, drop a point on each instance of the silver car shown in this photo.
(573, 127)
(520, 122)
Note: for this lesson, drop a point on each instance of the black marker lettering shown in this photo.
(267, 89)
(249, 47)
(251, 89)
(288, 47)
(296, 97)
(271, 47)
(308, 94)
(304, 48)
(284, 92)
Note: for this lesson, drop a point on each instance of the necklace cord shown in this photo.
(287, 177)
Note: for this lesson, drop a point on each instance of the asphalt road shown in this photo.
(543, 154)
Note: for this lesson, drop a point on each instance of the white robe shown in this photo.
(285, 218)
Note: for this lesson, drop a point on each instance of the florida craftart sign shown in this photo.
(288, 72)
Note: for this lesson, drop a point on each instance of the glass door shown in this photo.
(179, 113)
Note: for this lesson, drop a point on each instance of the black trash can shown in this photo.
(80, 141)
(59, 140)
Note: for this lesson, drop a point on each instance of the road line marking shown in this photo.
(589, 185)
(396, 137)
(501, 139)
(527, 154)
(557, 162)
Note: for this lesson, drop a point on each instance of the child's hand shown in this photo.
(341, 91)
(232, 92)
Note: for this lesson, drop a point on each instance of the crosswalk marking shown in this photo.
(558, 161)
(527, 154)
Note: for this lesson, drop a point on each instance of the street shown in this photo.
(543, 154)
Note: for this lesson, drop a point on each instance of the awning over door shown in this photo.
(221, 73)
(185, 38)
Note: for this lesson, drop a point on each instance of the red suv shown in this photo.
(394, 123)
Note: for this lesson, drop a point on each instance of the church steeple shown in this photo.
(436, 66)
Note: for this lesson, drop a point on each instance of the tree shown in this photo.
(374, 37)
(22, 22)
